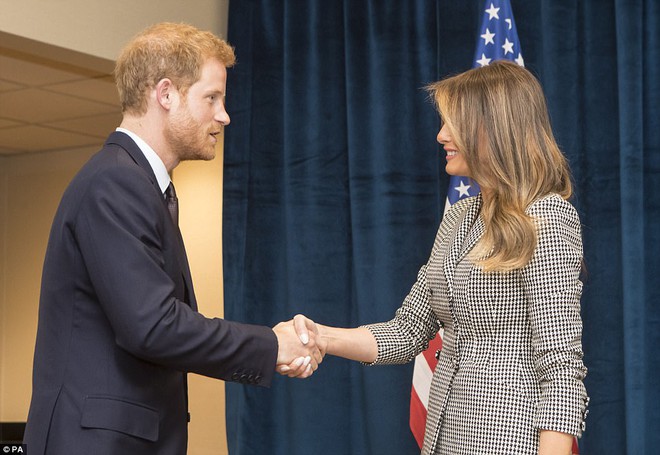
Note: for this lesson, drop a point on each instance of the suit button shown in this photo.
(243, 378)
(235, 376)
(437, 354)
(257, 379)
(250, 378)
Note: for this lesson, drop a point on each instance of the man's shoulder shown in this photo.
(110, 170)
(113, 157)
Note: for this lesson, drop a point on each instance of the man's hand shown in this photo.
(301, 349)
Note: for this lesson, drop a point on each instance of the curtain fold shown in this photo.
(334, 189)
(331, 204)
(638, 42)
(629, 37)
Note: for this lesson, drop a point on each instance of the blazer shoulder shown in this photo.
(550, 202)
(558, 225)
(554, 208)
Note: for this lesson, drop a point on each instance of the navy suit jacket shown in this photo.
(118, 322)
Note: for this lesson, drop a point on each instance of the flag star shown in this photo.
(507, 46)
(519, 60)
(492, 12)
(510, 22)
(483, 61)
(488, 37)
(462, 189)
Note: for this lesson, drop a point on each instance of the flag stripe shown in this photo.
(418, 417)
(421, 376)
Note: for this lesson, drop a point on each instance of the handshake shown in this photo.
(301, 347)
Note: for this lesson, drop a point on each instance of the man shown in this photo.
(118, 322)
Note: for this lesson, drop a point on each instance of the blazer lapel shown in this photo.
(475, 229)
(464, 239)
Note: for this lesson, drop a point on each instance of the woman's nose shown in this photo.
(443, 135)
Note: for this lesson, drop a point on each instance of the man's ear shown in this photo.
(165, 93)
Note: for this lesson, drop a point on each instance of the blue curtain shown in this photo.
(334, 188)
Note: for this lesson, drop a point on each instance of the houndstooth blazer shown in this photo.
(511, 361)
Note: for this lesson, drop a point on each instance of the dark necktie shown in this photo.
(172, 203)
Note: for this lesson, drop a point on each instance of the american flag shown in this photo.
(498, 40)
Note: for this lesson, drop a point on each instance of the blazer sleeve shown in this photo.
(552, 285)
(415, 323)
(409, 332)
(119, 229)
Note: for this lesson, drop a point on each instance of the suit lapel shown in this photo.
(185, 268)
(125, 142)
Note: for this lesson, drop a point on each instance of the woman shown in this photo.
(502, 280)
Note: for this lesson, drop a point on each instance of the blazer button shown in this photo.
(235, 376)
(257, 379)
(437, 354)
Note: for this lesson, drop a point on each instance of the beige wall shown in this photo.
(3, 226)
(33, 186)
(89, 33)
(101, 27)
(199, 189)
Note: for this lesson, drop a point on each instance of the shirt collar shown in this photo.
(152, 157)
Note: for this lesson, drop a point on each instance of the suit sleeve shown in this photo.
(553, 288)
(120, 232)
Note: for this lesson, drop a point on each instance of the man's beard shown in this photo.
(187, 138)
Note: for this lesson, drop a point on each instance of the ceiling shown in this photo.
(48, 105)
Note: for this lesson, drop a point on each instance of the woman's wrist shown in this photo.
(325, 335)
